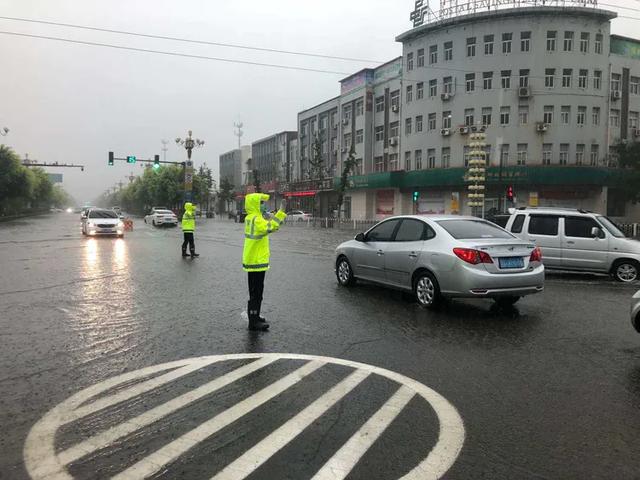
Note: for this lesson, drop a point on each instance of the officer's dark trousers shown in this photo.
(188, 239)
(256, 287)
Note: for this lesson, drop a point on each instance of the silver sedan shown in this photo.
(443, 256)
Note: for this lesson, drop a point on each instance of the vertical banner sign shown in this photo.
(188, 181)
(455, 203)
(533, 199)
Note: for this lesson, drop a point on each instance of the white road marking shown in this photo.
(109, 436)
(42, 462)
(265, 449)
(170, 452)
(343, 461)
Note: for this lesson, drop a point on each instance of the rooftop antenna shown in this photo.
(238, 132)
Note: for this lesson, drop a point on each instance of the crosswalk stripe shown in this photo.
(111, 435)
(170, 452)
(343, 461)
(265, 449)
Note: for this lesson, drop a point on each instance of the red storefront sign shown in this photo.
(309, 193)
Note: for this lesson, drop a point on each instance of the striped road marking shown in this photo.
(44, 462)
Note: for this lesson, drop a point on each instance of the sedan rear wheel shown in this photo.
(344, 273)
(426, 290)
(625, 271)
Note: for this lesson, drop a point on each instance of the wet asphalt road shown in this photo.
(550, 390)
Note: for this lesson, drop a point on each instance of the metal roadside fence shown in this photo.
(330, 222)
(630, 229)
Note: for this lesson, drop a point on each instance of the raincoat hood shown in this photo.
(188, 207)
(252, 202)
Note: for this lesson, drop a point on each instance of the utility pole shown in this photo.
(238, 132)
(164, 149)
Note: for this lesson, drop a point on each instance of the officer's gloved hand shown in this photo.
(283, 204)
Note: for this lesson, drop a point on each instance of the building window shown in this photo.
(420, 57)
(379, 161)
(393, 162)
(582, 115)
(420, 91)
(548, 114)
(565, 113)
(433, 88)
(394, 129)
(597, 79)
(564, 153)
(505, 78)
(446, 119)
(525, 41)
(595, 116)
(547, 153)
(524, 78)
(323, 122)
(615, 82)
(359, 108)
(380, 103)
(379, 133)
(468, 116)
(470, 82)
(431, 158)
(568, 42)
(471, 47)
(407, 161)
(448, 51)
(634, 85)
(486, 116)
(409, 93)
(504, 155)
(598, 43)
(633, 120)
(333, 119)
(614, 118)
(505, 114)
(523, 114)
(407, 126)
(359, 136)
(418, 156)
(506, 42)
(395, 99)
(549, 77)
(487, 80)
(447, 85)
(346, 114)
(433, 54)
(551, 40)
(431, 121)
(584, 42)
(580, 154)
(303, 129)
(419, 123)
(410, 61)
(582, 78)
(566, 77)
(595, 153)
(446, 157)
(346, 140)
(312, 125)
(488, 44)
(522, 154)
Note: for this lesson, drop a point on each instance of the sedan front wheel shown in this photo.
(344, 273)
(426, 290)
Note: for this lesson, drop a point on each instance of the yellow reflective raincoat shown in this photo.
(255, 256)
(189, 218)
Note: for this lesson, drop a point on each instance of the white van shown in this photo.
(578, 240)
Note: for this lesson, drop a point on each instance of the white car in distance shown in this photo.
(298, 216)
(100, 221)
(159, 218)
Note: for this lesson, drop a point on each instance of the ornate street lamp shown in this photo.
(189, 144)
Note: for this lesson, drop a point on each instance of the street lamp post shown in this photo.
(189, 144)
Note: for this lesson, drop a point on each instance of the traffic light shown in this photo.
(131, 159)
(416, 196)
(156, 162)
(510, 193)
(110, 158)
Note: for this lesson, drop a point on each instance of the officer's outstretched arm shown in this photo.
(265, 227)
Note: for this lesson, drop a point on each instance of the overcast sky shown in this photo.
(73, 103)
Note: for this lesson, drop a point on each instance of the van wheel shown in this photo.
(344, 273)
(625, 271)
(426, 290)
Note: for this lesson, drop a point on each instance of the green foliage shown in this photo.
(226, 194)
(629, 159)
(316, 162)
(347, 169)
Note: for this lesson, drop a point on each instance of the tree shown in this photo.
(347, 169)
(226, 192)
(316, 162)
(256, 179)
(629, 159)
(16, 182)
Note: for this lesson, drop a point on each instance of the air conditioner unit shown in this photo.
(393, 141)
(616, 95)
(524, 92)
(345, 121)
(445, 132)
(541, 127)
(636, 132)
(464, 130)
(395, 108)
(335, 127)
(446, 96)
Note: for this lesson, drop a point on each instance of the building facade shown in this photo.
(232, 164)
(272, 163)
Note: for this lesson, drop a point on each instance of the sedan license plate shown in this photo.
(511, 262)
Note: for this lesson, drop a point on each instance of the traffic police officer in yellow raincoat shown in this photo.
(255, 256)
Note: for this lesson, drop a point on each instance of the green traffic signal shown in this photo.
(156, 162)
(111, 158)
(416, 196)
(131, 159)
(156, 166)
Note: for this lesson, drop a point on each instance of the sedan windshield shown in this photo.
(466, 229)
(102, 214)
(611, 227)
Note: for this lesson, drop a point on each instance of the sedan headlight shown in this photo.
(120, 224)
(90, 224)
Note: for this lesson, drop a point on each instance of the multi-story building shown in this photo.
(551, 88)
(232, 164)
(271, 158)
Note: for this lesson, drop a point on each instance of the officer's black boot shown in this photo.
(254, 320)
(260, 319)
(184, 253)
(194, 254)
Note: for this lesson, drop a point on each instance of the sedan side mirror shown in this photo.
(360, 237)
(596, 232)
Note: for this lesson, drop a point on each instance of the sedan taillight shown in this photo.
(472, 256)
(536, 255)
